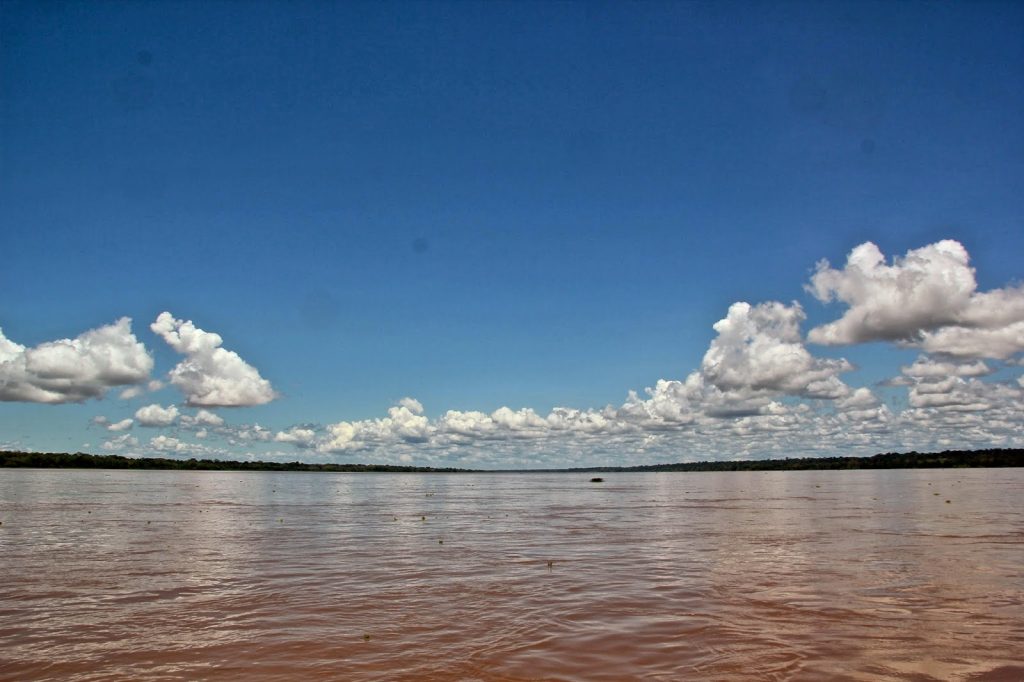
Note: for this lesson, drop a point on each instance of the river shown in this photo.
(805, 575)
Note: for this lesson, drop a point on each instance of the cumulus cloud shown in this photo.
(951, 384)
(758, 390)
(757, 358)
(122, 425)
(671, 403)
(170, 445)
(953, 411)
(747, 399)
(405, 422)
(999, 342)
(506, 423)
(760, 348)
(522, 437)
(121, 442)
(200, 419)
(210, 376)
(926, 367)
(298, 436)
(136, 391)
(927, 299)
(863, 406)
(951, 393)
(248, 433)
(73, 370)
(156, 415)
(656, 429)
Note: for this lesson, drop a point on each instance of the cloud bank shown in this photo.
(760, 389)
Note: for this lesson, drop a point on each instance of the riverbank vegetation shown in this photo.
(1004, 457)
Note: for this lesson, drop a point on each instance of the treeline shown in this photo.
(891, 460)
(949, 459)
(81, 460)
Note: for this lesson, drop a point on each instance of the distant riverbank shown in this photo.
(1000, 457)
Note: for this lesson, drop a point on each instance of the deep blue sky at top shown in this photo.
(481, 204)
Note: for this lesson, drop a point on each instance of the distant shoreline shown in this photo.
(948, 459)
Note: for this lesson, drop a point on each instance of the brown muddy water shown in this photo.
(813, 575)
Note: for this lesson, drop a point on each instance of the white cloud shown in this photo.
(958, 411)
(122, 425)
(926, 299)
(73, 370)
(863, 407)
(758, 356)
(202, 418)
(210, 376)
(508, 424)
(404, 423)
(670, 402)
(136, 391)
(121, 442)
(760, 348)
(164, 443)
(926, 367)
(757, 392)
(951, 393)
(746, 400)
(298, 436)
(155, 415)
(999, 343)
(249, 432)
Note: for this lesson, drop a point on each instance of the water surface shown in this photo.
(853, 575)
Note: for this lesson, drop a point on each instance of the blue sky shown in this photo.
(525, 205)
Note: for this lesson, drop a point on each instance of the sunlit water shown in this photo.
(856, 575)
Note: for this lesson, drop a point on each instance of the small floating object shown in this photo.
(947, 501)
(551, 563)
(423, 518)
(366, 638)
(440, 542)
(597, 479)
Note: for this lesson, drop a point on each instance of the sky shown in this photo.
(509, 235)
